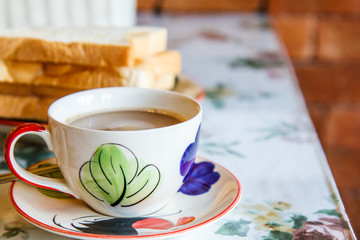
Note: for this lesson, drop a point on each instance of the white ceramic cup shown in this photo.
(117, 173)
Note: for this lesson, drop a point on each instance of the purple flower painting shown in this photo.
(199, 179)
(189, 156)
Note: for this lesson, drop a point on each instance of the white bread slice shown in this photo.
(30, 107)
(166, 82)
(25, 108)
(19, 72)
(56, 80)
(83, 46)
(157, 66)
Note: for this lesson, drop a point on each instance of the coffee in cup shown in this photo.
(128, 120)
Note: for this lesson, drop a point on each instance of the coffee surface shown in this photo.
(126, 120)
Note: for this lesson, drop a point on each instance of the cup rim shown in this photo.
(112, 90)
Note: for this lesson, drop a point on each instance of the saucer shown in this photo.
(191, 208)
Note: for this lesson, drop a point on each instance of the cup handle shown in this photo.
(36, 180)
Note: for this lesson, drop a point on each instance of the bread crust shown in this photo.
(37, 66)
(25, 108)
(50, 87)
(31, 101)
(90, 54)
(57, 80)
(83, 46)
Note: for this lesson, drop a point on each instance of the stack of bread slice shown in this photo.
(37, 66)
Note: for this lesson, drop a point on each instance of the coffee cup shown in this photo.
(126, 169)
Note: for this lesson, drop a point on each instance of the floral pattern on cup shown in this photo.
(112, 176)
(189, 155)
(199, 179)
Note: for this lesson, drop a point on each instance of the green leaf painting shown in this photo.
(217, 148)
(254, 63)
(278, 235)
(330, 212)
(221, 91)
(218, 94)
(298, 221)
(13, 229)
(112, 176)
(233, 228)
(298, 131)
(273, 224)
(259, 61)
(274, 220)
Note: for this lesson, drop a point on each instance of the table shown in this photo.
(255, 124)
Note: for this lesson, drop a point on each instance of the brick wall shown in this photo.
(322, 38)
(200, 5)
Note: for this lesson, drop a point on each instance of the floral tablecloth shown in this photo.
(255, 124)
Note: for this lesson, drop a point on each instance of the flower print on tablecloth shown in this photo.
(296, 131)
(221, 148)
(13, 229)
(207, 35)
(219, 94)
(322, 228)
(272, 62)
(261, 60)
(212, 145)
(276, 221)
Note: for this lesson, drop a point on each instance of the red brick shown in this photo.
(339, 39)
(213, 5)
(318, 114)
(145, 4)
(318, 6)
(351, 200)
(345, 166)
(294, 6)
(327, 6)
(343, 127)
(200, 5)
(298, 33)
(329, 83)
(343, 6)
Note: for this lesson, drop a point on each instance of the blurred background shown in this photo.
(322, 39)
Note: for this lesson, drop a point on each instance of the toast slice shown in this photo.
(57, 80)
(83, 46)
(44, 90)
(25, 107)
